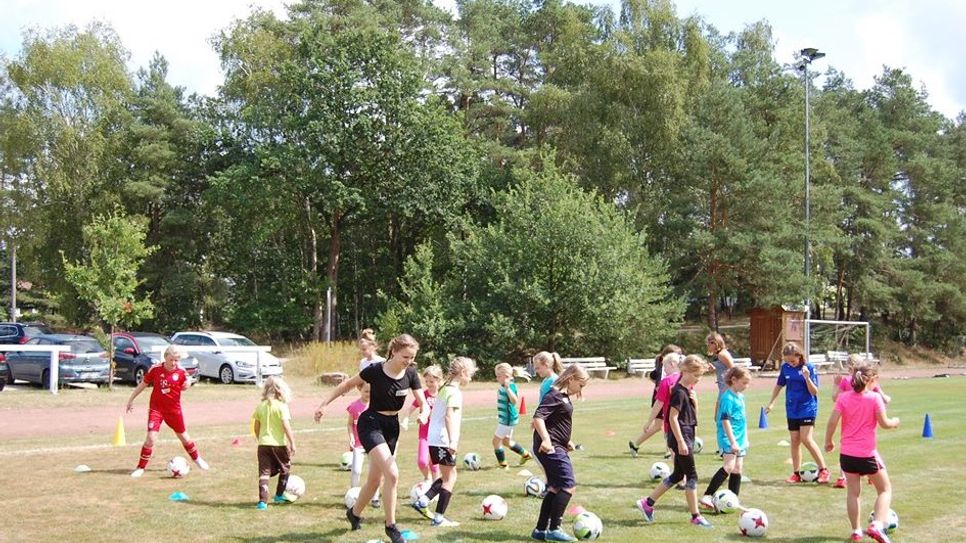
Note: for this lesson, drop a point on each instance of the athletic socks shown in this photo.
(192, 451)
(443, 502)
(650, 501)
(517, 448)
(500, 456)
(434, 489)
(282, 484)
(146, 453)
(545, 508)
(716, 480)
(557, 508)
(734, 483)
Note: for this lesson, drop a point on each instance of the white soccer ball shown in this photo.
(351, 497)
(346, 461)
(472, 461)
(178, 467)
(890, 526)
(698, 445)
(494, 507)
(295, 488)
(588, 526)
(660, 471)
(809, 472)
(725, 501)
(753, 523)
(418, 490)
(534, 486)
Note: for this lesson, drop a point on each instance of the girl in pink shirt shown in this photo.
(355, 409)
(844, 384)
(860, 410)
(432, 377)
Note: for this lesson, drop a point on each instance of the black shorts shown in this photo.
(273, 460)
(860, 465)
(376, 429)
(557, 466)
(795, 425)
(440, 456)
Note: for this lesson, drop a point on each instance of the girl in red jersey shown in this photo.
(168, 379)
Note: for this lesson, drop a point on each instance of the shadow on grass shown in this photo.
(491, 535)
(121, 471)
(338, 534)
(813, 539)
(640, 485)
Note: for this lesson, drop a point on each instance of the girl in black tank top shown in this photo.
(390, 381)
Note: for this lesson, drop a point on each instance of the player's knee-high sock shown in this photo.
(557, 508)
(500, 455)
(734, 483)
(191, 449)
(263, 489)
(517, 448)
(282, 483)
(443, 503)
(716, 481)
(146, 453)
(545, 508)
(436, 488)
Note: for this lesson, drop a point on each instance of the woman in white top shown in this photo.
(368, 346)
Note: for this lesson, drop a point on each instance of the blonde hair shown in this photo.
(864, 374)
(856, 361)
(174, 350)
(552, 360)
(402, 341)
(573, 371)
(459, 366)
(736, 373)
(503, 369)
(719, 342)
(433, 371)
(693, 363)
(367, 338)
(275, 388)
(792, 349)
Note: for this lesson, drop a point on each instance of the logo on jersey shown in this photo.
(402, 392)
(174, 377)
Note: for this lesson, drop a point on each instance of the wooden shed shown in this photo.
(771, 328)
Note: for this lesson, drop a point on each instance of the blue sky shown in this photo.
(859, 36)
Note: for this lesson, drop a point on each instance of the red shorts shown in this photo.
(174, 420)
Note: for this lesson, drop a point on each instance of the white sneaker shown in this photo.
(375, 503)
(136, 474)
(201, 463)
(442, 522)
(706, 503)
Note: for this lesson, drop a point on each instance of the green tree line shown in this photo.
(523, 175)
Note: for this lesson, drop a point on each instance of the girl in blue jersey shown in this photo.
(732, 434)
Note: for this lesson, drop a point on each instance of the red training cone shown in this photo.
(523, 405)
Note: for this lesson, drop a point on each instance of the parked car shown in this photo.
(20, 332)
(85, 362)
(226, 366)
(4, 373)
(136, 352)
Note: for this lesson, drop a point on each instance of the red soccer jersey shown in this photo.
(167, 385)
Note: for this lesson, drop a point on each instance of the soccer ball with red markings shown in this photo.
(494, 507)
(178, 467)
(753, 523)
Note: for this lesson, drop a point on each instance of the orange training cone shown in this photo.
(119, 440)
(523, 405)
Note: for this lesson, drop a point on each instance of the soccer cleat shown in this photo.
(137, 473)
(394, 535)
(354, 521)
(634, 449)
(706, 503)
(668, 454)
(375, 503)
(558, 535)
(442, 522)
(646, 510)
(201, 463)
(795, 478)
(281, 499)
(855, 537)
(261, 506)
(504, 465)
(701, 521)
(538, 535)
(421, 506)
(524, 459)
(840, 482)
(823, 476)
(877, 534)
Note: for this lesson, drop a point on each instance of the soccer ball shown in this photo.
(753, 523)
(890, 526)
(418, 490)
(809, 472)
(471, 461)
(346, 461)
(588, 526)
(660, 471)
(534, 486)
(725, 501)
(351, 497)
(294, 488)
(494, 507)
(178, 467)
(698, 445)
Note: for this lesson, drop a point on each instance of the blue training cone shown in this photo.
(927, 427)
(762, 419)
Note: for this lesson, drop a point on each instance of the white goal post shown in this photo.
(839, 335)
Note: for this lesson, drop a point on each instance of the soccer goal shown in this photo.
(846, 336)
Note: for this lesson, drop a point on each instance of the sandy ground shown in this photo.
(101, 420)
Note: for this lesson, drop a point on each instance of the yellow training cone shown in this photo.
(119, 440)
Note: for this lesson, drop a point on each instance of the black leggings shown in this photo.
(683, 467)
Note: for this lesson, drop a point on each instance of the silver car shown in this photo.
(226, 365)
(85, 362)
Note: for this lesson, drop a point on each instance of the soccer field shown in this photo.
(47, 501)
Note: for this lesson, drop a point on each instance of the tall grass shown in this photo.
(314, 359)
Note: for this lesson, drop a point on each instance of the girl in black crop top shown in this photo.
(391, 381)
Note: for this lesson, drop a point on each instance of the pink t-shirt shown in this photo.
(430, 400)
(355, 409)
(664, 395)
(845, 385)
(860, 416)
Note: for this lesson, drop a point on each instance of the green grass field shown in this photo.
(47, 501)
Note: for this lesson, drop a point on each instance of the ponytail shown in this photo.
(864, 374)
(550, 359)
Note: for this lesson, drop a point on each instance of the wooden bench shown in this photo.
(746, 363)
(640, 365)
(595, 364)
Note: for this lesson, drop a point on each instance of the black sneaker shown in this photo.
(394, 535)
(634, 449)
(354, 521)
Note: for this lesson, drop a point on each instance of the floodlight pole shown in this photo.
(808, 55)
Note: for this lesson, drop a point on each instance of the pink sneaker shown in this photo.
(855, 538)
(701, 521)
(840, 482)
(877, 534)
(795, 478)
(824, 476)
(706, 503)
(646, 510)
